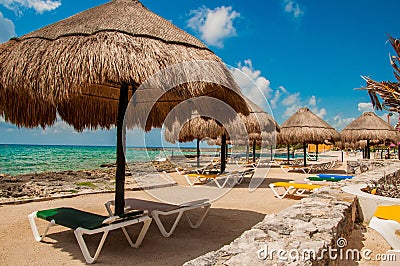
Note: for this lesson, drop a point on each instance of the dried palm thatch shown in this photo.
(196, 128)
(88, 66)
(258, 125)
(76, 67)
(387, 90)
(306, 127)
(368, 126)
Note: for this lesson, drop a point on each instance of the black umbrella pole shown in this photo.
(254, 151)
(368, 152)
(120, 173)
(198, 153)
(305, 154)
(288, 153)
(223, 153)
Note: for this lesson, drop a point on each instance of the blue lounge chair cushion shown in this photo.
(335, 176)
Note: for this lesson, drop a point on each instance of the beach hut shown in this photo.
(306, 127)
(87, 67)
(369, 127)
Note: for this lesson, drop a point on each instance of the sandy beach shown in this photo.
(230, 215)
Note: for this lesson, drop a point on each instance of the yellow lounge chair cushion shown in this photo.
(388, 212)
(203, 175)
(296, 185)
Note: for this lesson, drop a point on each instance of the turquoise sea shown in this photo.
(24, 159)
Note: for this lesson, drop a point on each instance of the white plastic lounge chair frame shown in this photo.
(111, 224)
(289, 190)
(134, 204)
(287, 168)
(387, 228)
(202, 178)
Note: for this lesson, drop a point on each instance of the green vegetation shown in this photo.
(86, 184)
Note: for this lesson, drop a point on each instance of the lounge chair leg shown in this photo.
(34, 228)
(156, 217)
(82, 244)
(224, 183)
(139, 240)
(198, 223)
(188, 180)
(143, 231)
(277, 194)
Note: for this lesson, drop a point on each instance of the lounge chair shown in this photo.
(89, 223)
(221, 180)
(386, 221)
(287, 168)
(291, 188)
(156, 209)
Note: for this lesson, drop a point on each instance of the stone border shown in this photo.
(316, 223)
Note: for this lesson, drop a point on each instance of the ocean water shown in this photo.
(24, 159)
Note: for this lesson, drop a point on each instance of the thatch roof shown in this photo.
(196, 128)
(76, 67)
(368, 126)
(387, 90)
(257, 125)
(305, 126)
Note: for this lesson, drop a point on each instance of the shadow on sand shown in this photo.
(220, 227)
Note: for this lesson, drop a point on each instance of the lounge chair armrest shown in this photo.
(194, 203)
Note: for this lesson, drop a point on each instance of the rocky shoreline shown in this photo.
(45, 185)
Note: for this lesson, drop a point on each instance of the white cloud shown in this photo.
(312, 104)
(319, 112)
(39, 6)
(293, 8)
(312, 101)
(214, 25)
(341, 122)
(7, 29)
(255, 86)
(59, 127)
(291, 110)
(292, 99)
(293, 102)
(365, 107)
(274, 101)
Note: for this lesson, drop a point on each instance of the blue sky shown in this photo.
(299, 53)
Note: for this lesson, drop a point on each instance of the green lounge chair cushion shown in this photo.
(316, 178)
(72, 218)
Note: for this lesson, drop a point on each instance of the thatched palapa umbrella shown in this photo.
(369, 127)
(306, 127)
(258, 126)
(87, 67)
(197, 128)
